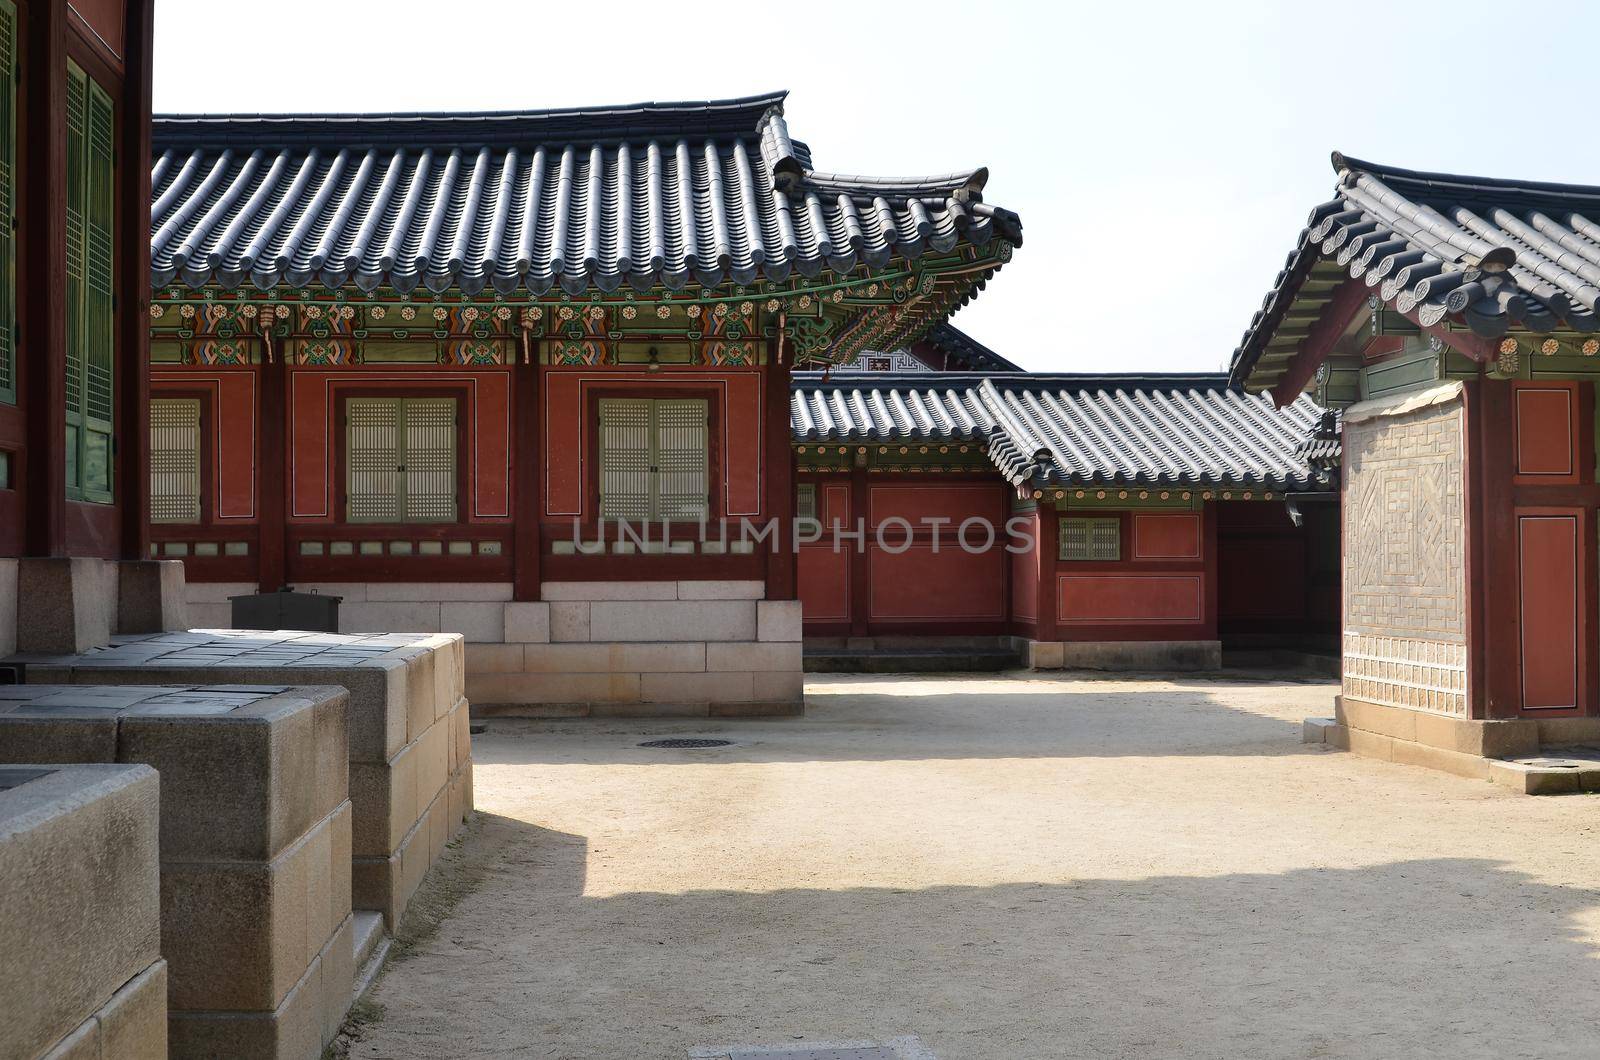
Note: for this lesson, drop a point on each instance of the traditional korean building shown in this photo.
(429, 362)
(1453, 320)
(74, 117)
(1144, 514)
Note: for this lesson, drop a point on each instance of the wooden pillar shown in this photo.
(272, 463)
(1208, 549)
(133, 252)
(778, 465)
(1494, 594)
(527, 462)
(860, 574)
(1049, 533)
(42, 275)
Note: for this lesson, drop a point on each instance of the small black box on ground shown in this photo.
(286, 609)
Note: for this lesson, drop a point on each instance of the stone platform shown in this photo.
(410, 752)
(80, 913)
(1535, 756)
(255, 846)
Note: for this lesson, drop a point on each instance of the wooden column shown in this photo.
(860, 575)
(527, 462)
(1049, 533)
(272, 463)
(778, 467)
(1493, 664)
(42, 275)
(133, 282)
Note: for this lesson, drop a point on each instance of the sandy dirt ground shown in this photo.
(1007, 867)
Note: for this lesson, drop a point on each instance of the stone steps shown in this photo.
(371, 946)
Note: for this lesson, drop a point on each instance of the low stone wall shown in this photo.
(256, 923)
(1120, 654)
(80, 919)
(678, 648)
(410, 752)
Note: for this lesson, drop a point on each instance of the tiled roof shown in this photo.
(1045, 430)
(1488, 255)
(966, 352)
(656, 193)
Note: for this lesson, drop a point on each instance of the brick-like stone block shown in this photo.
(1043, 654)
(79, 895)
(591, 591)
(385, 799)
(221, 592)
(391, 616)
(1142, 655)
(527, 622)
(722, 590)
(673, 620)
(291, 1031)
(238, 935)
(8, 608)
(754, 655)
(433, 764)
(569, 621)
(439, 592)
(421, 690)
(674, 657)
(728, 687)
(64, 604)
(480, 622)
(151, 597)
(495, 658)
(779, 620)
(489, 689)
(338, 963)
(783, 686)
(133, 1023)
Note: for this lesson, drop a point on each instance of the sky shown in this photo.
(1163, 156)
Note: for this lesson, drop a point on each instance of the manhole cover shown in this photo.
(686, 742)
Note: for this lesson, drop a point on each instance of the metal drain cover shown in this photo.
(683, 741)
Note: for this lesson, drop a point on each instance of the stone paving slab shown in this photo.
(904, 1047)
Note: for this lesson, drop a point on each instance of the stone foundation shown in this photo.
(255, 839)
(657, 648)
(1120, 654)
(408, 740)
(80, 913)
(56, 605)
(1467, 748)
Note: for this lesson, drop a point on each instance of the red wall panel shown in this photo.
(825, 584)
(235, 433)
(918, 586)
(1025, 576)
(1167, 536)
(1549, 573)
(1546, 417)
(1115, 599)
(953, 502)
(314, 433)
(568, 436)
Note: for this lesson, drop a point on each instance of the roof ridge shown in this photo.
(1346, 165)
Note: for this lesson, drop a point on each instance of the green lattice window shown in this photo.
(91, 320)
(400, 460)
(175, 460)
(1091, 540)
(653, 459)
(8, 202)
(805, 500)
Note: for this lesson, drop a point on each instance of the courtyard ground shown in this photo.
(1009, 867)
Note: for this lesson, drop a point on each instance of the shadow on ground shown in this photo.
(1451, 956)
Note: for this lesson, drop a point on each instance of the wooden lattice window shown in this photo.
(1093, 540)
(653, 455)
(91, 322)
(175, 460)
(401, 460)
(8, 201)
(805, 500)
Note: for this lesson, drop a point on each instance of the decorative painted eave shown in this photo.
(1486, 256)
(1045, 431)
(654, 196)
